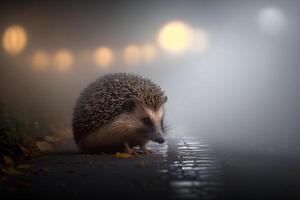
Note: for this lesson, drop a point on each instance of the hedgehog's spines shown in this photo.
(103, 100)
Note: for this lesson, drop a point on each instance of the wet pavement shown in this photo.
(181, 168)
(194, 172)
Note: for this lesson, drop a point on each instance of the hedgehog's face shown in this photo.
(152, 126)
(148, 123)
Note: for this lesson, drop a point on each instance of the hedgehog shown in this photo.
(119, 112)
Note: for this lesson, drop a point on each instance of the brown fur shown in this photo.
(112, 137)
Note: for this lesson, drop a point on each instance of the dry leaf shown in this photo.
(122, 155)
(44, 146)
(8, 160)
(10, 171)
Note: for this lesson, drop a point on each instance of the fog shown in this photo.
(242, 89)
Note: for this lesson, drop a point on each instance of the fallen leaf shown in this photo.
(44, 146)
(122, 155)
(8, 160)
(10, 171)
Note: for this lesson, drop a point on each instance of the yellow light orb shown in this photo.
(175, 37)
(14, 39)
(103, 56)
(149, 53)
(63, 60)
(200, 41)
(40, 60)
(132, 54)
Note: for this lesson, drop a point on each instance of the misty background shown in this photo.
(243, 88)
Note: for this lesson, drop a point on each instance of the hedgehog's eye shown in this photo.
(147, 121)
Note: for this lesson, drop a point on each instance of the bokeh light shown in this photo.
(272, 20)
(14, 39)
(149, 53)
(132, 55)
(63, 60)
(175, 37)
(200, 40)
(103, 57)
(40, 60)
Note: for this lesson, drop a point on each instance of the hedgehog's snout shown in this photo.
(159, 138)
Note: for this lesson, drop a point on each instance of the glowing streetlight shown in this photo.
(132, 55)
(175, 37)
(103, 57)
(40, 60)
(14, 39)
(63, 60)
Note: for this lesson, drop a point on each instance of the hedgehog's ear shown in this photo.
(129, 105)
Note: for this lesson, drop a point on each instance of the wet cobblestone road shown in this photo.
(181, 168)
(194, 172)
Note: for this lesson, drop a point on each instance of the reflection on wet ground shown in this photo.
(194, 172)
(182, 168)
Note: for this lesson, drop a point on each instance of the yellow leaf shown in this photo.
(122, 155)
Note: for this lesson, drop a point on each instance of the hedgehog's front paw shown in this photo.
(144, 150)
(131, 151)
(128, 149)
